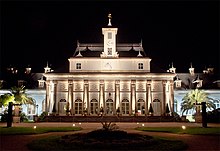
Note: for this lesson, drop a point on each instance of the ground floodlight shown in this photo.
(183, 127)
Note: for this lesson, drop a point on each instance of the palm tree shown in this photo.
(21, 96)
(5, 99)
(194, 97)
(17, 96)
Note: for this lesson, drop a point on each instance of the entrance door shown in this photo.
(156, 107)
(140, 107)
(109, 107)
(62, 107)
(125, 107)
(94, 106)
(78, 106)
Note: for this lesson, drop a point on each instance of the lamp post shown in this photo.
(37, 108)
(204, 114)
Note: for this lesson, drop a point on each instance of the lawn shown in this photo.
(180, 130)
(34, 130)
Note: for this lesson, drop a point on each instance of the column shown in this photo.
(70, 96)
(149, 99)
(85, 97)
(47, 99)
(171, 93)
(117, 95)
(163, 103)
(55, 104)
(101, 95)
(133, 98)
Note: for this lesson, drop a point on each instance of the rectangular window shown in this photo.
(109, 35)
(109, 51)
(78, 65)
(140, 66)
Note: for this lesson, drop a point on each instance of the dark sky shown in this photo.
(34, 32)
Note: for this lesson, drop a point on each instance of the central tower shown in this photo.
(109, 41)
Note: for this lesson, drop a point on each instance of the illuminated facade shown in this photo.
(110, 78)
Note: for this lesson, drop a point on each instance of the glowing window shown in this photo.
(109, 35)
(140, 66)
(78, 65)
(109, 51)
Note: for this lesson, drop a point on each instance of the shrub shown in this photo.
(42, 116)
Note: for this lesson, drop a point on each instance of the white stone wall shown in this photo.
(120, 65)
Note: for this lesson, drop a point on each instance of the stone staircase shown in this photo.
(90, 118)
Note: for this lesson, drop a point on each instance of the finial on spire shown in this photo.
(109, 19)
(141, 43)
(77, 43)
(191, 64)
(139, 54)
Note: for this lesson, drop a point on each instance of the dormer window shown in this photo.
(41, 83)
(140, 66)
(78, 65)
(109, 35)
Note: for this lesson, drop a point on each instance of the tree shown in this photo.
(20, 96)
(5, 99)
(17, 96)
(194, 97)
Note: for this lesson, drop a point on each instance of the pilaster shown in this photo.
(133, 98)
(86, 96)
(149, 98)
(117, 95)
(70, 96)
(171, 93)
(163, 103)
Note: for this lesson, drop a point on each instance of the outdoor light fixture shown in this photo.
(79, 123)
(74, 125)
(35, 127)
(142, 124)
(137, 123)
(37, 108)
(183, 127)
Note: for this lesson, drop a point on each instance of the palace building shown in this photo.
(109, 78)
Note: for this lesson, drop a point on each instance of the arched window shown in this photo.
(78, 106)
(109, 106)
(31, 108)
(125, 106)
(94, 106)
(140, 106)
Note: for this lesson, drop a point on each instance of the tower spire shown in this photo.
(109, 19)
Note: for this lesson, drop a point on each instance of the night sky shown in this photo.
(34, 32)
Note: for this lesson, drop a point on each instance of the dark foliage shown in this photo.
(213, 116)
(103, 139)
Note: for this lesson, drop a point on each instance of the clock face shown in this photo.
(109, 42)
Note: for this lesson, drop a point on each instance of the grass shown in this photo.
(179, 130)
(32, 130)
(106, 140)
